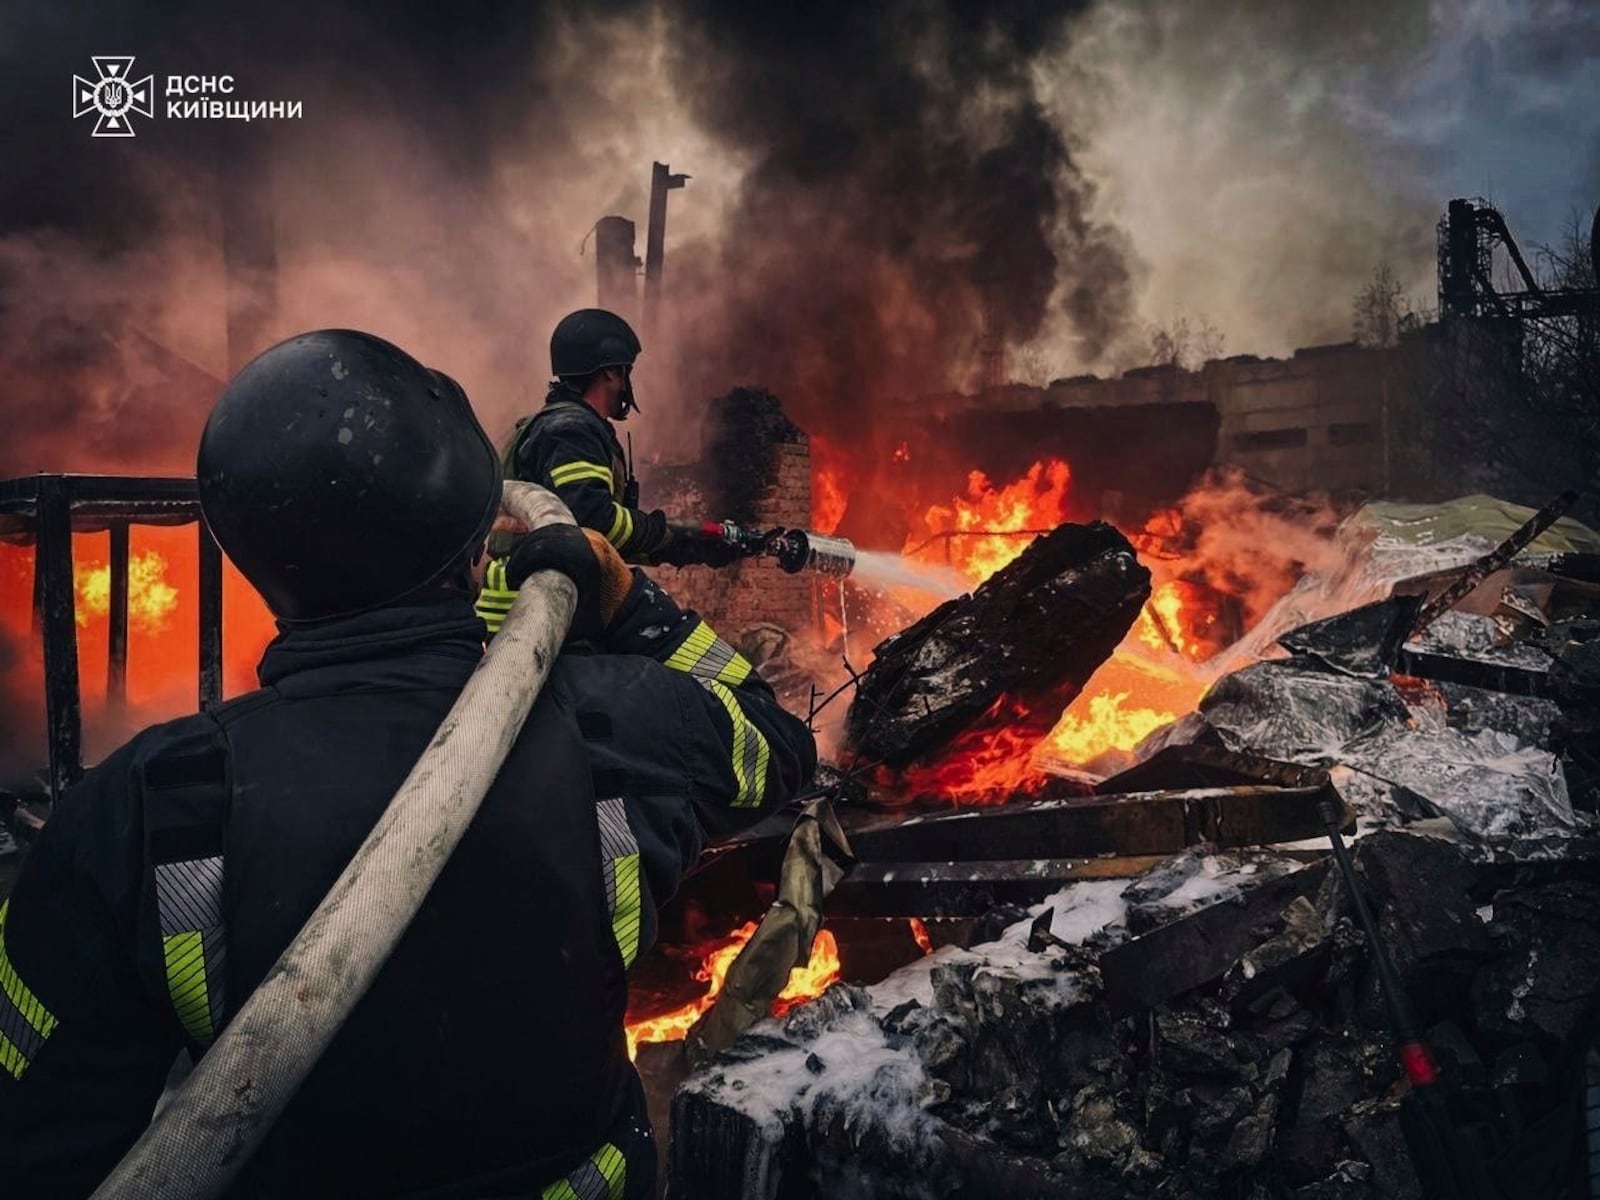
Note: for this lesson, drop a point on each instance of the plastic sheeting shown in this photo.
(1478, 519)
(1488, 783)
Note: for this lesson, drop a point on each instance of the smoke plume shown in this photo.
(887, 200)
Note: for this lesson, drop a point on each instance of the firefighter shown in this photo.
(571, 447)
(353, 488)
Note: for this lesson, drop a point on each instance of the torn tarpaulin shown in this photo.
(1283, 711)
(1488, 783)
(814, 861)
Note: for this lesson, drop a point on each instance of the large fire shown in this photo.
(988, 527)
(151, 598)
(163, 636)
(1152, 678)
(805, 983)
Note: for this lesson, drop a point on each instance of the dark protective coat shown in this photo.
(572, 450)
(488, 1058)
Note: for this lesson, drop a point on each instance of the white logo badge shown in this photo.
(114, 95)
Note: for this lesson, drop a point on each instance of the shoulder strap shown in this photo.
(508, 456)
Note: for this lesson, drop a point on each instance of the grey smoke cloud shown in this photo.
(868, 179)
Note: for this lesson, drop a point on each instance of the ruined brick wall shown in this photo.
(756, 469)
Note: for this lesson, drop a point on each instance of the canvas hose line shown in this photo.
(215, 1121)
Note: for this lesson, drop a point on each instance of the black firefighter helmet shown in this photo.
(591, 338)
(340, 474)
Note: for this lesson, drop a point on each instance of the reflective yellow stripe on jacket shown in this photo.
(496, 598)
(717, 667)
(25, 1022)
(572, 472)
(619, 854)
(621, 526)
(603, 1177)
(193, 941)
(706, 656)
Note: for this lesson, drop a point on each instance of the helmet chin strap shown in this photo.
(624, 402)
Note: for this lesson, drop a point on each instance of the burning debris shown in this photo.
(1209, 1023)
(1010, 656)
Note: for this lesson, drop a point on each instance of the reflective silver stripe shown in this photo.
(587, 1183)
(25, 1022)
(616, 835)
(189, 903)
(603, 1177)
(706, 656)
(189, 895)
(620, 867)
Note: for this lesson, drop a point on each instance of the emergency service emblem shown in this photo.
(113, 97)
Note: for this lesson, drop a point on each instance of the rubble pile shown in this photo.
(1034, 1064)
(1213, 1026)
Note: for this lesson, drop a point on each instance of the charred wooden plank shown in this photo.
(1027, 640)
(967, 889)
(1185, 954)
(1144, 823)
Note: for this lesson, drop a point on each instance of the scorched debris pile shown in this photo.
(1207, 1023)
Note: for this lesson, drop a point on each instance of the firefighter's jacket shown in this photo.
(572, 450)
(488, 1059)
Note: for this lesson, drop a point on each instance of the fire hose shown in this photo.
(211, 1126)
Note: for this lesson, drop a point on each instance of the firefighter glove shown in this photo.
(586, 558)
(692, 546)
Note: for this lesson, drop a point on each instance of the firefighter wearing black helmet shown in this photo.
(570, 446)
(353, 487)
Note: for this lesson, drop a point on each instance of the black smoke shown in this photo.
(906, 195)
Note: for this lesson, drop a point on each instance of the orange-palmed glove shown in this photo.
(586, 558)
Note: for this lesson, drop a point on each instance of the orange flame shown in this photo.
(984, 530)
(805, 983)
(829, 497)
(1110, 723)
(151, 599)
(981, 532)
(989, 763)
(920, 932)
(163, 629)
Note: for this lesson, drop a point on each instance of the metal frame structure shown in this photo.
(46, 510)
(1467, 236)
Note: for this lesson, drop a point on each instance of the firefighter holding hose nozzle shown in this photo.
(570, 446)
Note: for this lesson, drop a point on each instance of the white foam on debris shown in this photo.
(1218, 879)
(1081, 911)
(859, 1070)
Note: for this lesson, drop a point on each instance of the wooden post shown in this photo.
(52, 566)
(117, 640)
